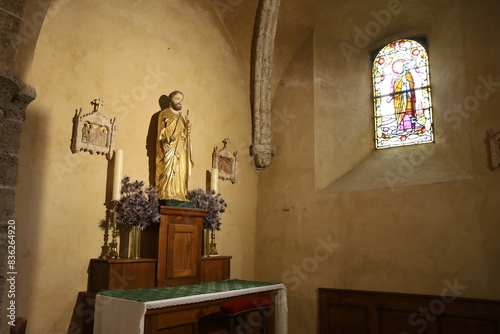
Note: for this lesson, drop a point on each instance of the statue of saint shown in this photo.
(173, 150)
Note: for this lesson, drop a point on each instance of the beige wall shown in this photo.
(129, 54)
(327, 217)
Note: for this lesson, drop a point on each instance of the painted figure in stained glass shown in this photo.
(403, 96)
(401, 87)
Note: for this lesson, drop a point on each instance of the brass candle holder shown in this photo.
(105, 247)
(212, 246)
(113, 245)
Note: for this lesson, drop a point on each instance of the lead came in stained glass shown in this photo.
(402, 95)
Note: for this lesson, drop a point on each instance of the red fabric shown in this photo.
(238, 306)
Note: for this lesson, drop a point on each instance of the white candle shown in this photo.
(117, 175)
(214, 180)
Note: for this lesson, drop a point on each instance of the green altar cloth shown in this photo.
(124, 311)
(154, 294)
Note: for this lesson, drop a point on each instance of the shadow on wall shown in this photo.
(164, 103)
(26, 219)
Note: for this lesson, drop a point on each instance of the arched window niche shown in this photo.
(402, 94)
(345, 156)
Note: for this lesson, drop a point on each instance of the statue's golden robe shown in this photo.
(173, 155)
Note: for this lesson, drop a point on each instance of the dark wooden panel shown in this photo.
(184, 251)
(120, 274)
(215, 268)
(185, 317)
(397, 313)
(82, 319)
(348, 319)
(467, 325)
(186, 329)
(396, 322)
(179, 246)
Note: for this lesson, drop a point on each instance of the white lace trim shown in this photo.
(209, 296)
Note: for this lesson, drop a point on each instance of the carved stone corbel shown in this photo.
(262, 150)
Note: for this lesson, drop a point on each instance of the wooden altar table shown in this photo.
(178, 309)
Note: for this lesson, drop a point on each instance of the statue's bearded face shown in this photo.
(177, 102)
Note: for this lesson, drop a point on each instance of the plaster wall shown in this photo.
(436, 227)
(129, 53)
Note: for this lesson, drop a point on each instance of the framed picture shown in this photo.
(226, 162)
(93, 132)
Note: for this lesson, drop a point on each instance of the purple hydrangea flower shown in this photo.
(211, 202)
(138, 206)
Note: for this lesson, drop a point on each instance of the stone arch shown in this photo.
(34, 14)
(16, 52)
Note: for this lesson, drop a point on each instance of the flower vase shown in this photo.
(134, 243)
(212, 247)
(206, 242)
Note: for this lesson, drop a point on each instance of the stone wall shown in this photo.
(14, 97)
(408, 237)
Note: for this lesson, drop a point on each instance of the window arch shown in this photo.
(402, 95)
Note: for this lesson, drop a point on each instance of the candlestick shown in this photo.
(113, 245)
(118, 175)
(214, 180)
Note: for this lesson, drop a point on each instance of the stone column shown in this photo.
(14, 98)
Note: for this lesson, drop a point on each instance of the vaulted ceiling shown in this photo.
(296, 21)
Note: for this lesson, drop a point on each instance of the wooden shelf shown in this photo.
(121, 274)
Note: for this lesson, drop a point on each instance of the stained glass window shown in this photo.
(402, 95)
